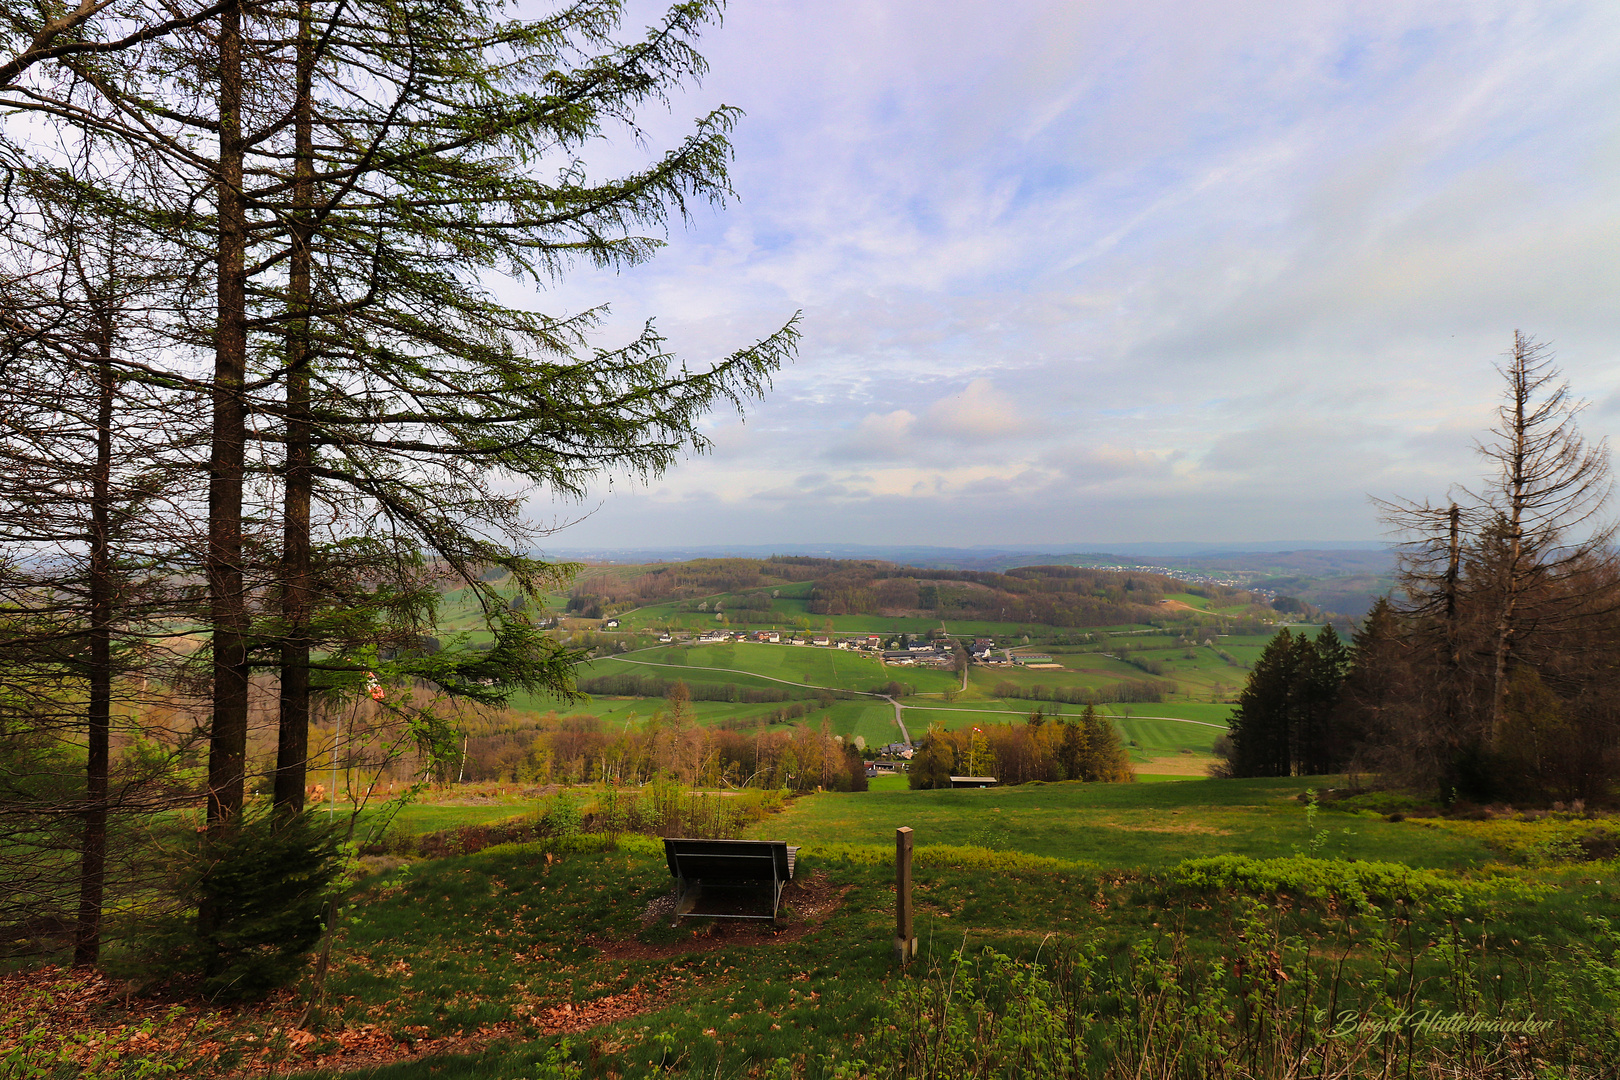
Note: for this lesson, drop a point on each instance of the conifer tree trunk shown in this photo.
(292, 749)
(1515, 457)
(1453, 689)
(227, 748)
(93, 857)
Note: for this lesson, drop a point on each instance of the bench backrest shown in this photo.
(721, 860)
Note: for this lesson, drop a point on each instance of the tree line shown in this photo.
(1086, 748)
(1062, 596)
(633, 586)
(1488, 676)
(753, 753)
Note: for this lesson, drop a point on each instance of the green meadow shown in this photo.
(1195, 679)
(555, 958)
(1169, 739)
(1151, 827)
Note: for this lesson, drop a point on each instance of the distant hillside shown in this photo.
(1351, 596)
(982, 557)
(1335, 581)
(1342, 582)
(1053, 595)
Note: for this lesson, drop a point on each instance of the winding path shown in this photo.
(905, 736)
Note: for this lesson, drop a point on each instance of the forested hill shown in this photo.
(1051, 595)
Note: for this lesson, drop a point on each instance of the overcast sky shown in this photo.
(1126, 271)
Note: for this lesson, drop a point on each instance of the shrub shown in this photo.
(563, 817)
(1270, 1008)
(245, 908)
(1359, 886)
(1378, 802)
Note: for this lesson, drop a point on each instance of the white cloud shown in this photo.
(978, 413)
(878, 437)
(1140, 269)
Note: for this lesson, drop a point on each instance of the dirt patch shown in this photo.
(369, 1046)
(809, 902)
(1177, 765)
(1600, 845)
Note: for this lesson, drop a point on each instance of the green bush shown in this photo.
(642, 815)
(950, 856)
(1359, 886)
(563, 817)
(244, 908)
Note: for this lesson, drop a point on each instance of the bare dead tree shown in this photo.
(1547, 500)
(1511, 598)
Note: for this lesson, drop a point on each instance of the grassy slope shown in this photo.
(504, 935)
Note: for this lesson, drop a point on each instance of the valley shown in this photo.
(833, 636)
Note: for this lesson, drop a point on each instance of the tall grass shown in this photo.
(1271, 1008)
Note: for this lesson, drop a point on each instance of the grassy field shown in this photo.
(1152, 731)
(757, 664)
(557, 959)
(1150, 826)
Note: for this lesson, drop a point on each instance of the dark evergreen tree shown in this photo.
(1373, 698)
(1262, 724)
(1317, 746)
(1104, 759)
(1071, 749)
(1285, 722)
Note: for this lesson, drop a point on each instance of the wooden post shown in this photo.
(905, 945)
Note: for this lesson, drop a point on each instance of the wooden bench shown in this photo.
(729, 879)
